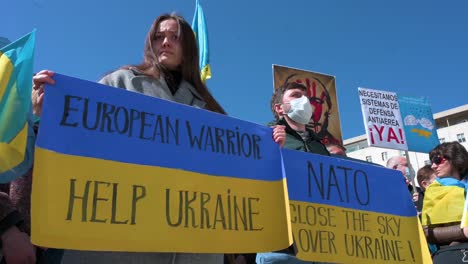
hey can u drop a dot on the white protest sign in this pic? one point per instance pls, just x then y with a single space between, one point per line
382 119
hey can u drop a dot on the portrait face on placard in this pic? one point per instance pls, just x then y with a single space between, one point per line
321 91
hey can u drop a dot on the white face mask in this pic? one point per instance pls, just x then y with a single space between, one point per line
301 110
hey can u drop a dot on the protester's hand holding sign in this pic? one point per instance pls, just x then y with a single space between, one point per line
41 78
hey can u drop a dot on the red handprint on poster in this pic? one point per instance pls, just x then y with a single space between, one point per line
315 101
322 96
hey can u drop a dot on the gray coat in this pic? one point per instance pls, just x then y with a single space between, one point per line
135 81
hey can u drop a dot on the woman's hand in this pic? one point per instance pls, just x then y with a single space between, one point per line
42 77
279 135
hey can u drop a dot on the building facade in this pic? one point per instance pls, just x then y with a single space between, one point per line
452 125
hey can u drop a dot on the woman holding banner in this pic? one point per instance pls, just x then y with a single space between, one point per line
169 71
444 203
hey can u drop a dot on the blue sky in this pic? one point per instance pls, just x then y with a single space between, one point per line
412 48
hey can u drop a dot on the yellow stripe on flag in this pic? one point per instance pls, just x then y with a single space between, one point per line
130 207
442 204
206 73
12 154
6 68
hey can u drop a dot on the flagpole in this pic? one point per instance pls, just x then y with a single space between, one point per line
411 171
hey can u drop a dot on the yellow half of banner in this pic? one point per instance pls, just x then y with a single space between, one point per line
128 207
337 234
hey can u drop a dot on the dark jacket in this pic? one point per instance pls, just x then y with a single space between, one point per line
295 141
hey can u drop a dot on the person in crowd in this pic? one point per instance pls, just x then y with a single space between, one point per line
400 163
336 149
425 176
444 203
292 110
169 71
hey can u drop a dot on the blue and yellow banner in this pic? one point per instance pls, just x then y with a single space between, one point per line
16 68
418 122
120 171
201 34
349 212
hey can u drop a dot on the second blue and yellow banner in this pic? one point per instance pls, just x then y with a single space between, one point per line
351 212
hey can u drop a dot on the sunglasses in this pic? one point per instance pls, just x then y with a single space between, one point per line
438 160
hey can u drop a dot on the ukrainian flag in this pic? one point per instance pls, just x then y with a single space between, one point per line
16 69
201 33
444 202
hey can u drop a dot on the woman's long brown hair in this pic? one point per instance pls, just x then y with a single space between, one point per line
189 68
